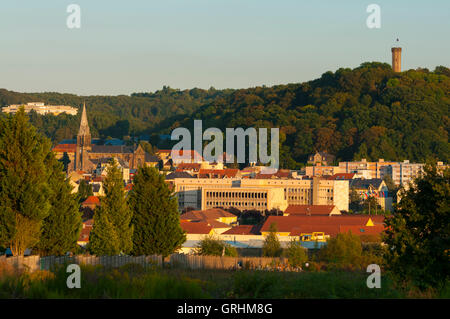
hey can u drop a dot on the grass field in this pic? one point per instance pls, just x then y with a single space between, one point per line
132 281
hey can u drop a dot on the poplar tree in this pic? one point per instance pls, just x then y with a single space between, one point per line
113 218
156 219
24 192
103 239
62 227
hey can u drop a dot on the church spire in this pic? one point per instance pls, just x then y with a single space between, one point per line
84 126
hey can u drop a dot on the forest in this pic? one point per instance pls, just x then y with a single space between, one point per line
367 112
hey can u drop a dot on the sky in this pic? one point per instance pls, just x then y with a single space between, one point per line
131 46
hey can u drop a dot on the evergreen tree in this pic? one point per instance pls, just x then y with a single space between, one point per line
62 227
24 193
103 239
156 219
65 160
114 205
272 246
84 191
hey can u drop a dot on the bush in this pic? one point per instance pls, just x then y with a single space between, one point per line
296 254
342 250
211 246
272 247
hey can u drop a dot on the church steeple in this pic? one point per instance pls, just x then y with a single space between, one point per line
84 126
83 143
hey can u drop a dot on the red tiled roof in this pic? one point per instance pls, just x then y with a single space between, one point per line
242 230
287 223
216 224
207 214
91 200
195 227
309 209
331 230
361 230
69 148
84 235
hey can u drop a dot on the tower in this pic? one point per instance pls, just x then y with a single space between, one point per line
396 58
83 143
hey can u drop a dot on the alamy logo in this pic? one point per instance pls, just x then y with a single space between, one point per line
213 152
74 18
74 279
374 280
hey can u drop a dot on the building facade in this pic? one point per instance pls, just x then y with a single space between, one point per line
259 194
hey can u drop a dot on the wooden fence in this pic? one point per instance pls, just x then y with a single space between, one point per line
33 263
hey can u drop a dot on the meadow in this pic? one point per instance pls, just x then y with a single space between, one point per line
134 281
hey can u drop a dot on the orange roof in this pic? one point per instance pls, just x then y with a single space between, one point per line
309 209
129 187
84 235
216 224
242 230
69 148
331 230
288 223
361 230
195 227
207 214
91 200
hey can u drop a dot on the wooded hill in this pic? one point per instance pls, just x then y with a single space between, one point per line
368 112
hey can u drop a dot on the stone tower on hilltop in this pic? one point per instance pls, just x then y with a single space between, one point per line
83 143
397 58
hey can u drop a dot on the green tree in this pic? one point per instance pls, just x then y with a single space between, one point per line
418 233
62 227
84 191
115 206
296 254
156 219
390 184
65 160
24 192
344 249
355 200
272 246
103 239
210 246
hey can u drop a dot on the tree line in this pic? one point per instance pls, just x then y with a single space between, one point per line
38 209
367 112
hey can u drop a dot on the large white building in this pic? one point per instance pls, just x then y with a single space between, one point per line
259 194
41 108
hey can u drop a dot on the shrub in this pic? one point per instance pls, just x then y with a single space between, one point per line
211 246
344 249
296 254
272 247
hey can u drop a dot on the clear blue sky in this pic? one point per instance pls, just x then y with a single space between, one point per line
141 45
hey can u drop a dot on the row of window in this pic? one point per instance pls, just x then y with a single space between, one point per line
236 204
236 194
